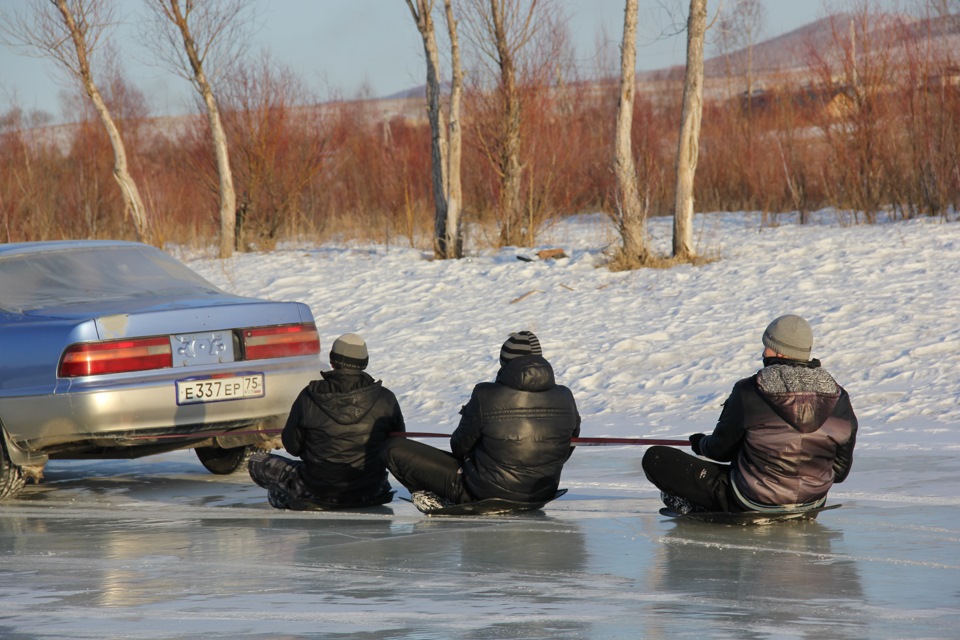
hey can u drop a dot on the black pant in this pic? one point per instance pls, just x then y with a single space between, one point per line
280 473
700 482
420 467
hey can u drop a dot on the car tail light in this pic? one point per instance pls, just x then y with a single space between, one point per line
116 356
281 341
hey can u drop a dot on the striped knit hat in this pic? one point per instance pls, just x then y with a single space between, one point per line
349 351
523 343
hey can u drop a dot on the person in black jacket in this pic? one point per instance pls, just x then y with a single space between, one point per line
512 441
788 431
336 427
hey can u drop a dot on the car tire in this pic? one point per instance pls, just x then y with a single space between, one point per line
11 476
223 462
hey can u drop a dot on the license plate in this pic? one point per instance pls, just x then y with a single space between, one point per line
195 390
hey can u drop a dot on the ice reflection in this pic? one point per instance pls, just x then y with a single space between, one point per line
507 577
779 579
85 570
82 563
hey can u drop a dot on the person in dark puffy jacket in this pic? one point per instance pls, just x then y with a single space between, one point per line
788 433
336 427
512 441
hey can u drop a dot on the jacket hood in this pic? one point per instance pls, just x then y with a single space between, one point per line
802 394
346 395
527 373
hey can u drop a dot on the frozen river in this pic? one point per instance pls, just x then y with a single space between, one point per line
158 548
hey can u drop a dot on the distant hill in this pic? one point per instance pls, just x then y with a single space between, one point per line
790 52
783 53
420 91
786 52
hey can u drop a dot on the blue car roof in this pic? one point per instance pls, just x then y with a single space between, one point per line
41 275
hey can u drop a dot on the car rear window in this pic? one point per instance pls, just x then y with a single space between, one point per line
57 277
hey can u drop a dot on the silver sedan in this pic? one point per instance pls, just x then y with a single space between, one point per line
115 349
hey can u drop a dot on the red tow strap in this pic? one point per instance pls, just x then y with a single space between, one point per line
578 441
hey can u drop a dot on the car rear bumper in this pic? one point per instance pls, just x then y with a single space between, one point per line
138 412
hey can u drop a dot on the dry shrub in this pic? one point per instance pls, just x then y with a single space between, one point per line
924 174
618 262
378 184
278 148
871 126
184 189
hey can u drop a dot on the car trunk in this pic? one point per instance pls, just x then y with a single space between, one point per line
169 316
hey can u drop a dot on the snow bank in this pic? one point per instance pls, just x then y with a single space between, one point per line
652 352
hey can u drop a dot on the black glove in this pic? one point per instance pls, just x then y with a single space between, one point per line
695 443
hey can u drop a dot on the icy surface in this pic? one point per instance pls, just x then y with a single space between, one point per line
159 548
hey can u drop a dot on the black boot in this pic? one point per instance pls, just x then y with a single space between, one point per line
277 498
679 505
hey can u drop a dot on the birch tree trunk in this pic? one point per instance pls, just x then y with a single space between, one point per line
632 214
455 139
510 168
688 148
228 198
422 15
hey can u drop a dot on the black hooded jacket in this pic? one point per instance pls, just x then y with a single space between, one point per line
337 426
790 431
514 434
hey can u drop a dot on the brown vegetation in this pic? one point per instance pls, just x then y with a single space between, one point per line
872 124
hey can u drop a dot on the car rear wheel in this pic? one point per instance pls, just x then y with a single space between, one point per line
11 476
225 461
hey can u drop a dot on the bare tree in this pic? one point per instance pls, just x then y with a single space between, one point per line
632 213
444 239
454 228
740 29
69 34
278 148
856 71
688 149
501 29
196 36
422 15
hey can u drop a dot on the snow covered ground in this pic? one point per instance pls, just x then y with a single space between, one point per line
651 352
158 548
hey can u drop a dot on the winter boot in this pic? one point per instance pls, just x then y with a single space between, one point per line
255 468
277 498
679 505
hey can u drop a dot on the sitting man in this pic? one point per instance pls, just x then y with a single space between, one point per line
788 430
336 426
512 441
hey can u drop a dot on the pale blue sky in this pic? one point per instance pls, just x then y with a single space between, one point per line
343 45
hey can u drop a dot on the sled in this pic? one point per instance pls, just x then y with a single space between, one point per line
308 504
489 506
748 517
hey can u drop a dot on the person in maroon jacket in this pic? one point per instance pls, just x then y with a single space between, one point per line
336 427
787 432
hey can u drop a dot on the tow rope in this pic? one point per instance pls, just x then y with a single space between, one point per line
203 435
578 441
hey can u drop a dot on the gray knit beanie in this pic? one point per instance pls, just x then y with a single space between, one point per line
522 343
790 336
349 351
